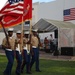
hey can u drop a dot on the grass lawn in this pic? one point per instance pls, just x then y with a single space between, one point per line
48 67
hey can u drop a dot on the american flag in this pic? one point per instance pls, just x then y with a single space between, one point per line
69 14
11 14
11 8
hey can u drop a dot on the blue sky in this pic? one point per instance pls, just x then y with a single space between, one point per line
42 0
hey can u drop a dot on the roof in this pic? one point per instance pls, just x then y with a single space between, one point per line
51 25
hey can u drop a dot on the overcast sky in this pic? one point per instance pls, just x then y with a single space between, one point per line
42 0
2 2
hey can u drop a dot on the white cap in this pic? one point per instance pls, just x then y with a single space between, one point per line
10 29
26 32
35 30
18 32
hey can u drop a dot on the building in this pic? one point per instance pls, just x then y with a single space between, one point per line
52 10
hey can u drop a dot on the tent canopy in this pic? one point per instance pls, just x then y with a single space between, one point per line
66 31
51 25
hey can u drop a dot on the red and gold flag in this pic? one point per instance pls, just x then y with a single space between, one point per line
27 9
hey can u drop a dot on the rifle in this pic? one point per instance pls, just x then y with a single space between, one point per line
5 34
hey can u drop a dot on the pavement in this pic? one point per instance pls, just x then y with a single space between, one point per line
2 52
50 56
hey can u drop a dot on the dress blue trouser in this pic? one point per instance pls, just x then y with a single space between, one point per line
19 62
10 57
35 58
26 60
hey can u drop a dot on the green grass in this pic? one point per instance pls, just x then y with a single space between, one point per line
48 67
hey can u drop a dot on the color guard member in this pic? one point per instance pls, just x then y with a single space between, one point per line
18 52
26 54
9 51
35 48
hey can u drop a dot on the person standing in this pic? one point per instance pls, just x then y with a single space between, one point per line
18 52
26 53
35 50
46 43
51 43
9 51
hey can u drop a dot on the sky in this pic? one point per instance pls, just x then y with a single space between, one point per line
2 2
42 0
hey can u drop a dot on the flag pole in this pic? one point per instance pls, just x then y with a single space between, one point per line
30 34
30 26
22 28
30 29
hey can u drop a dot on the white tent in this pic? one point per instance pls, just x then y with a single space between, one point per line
66 31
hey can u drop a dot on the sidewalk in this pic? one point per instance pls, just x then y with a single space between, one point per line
2 52
49 56
44 55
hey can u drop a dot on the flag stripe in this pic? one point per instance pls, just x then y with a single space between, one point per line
18 7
